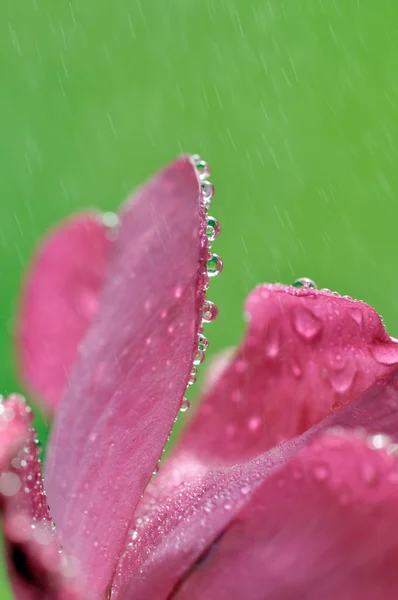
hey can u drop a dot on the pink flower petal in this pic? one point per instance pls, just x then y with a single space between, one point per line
129 381
36 569
306 354
59 300
14 425
322 527
191 502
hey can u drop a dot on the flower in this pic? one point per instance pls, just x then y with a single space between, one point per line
284 483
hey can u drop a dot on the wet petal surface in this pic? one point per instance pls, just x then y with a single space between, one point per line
133 369
324 526
189 504
306 354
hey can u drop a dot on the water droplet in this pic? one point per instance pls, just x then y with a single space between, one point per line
214 265
10 484
201 166
245 490
191 380
379 441
357 315
305 282
203 344
321 471
185 404
199 358
272 341
336 406
110 219
212 229
254 423
385 353
307 325
341 373
296 369
156 469
210 312
207 192
134 535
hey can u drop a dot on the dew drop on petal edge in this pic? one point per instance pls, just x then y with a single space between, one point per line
210 312
214 265
185 404
305 282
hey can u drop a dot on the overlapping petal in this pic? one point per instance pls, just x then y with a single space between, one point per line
197 493
59 300
134 365
37 570
306 354
324 526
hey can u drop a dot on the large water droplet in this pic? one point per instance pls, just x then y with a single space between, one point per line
385 353
214 265
207 192
210 312
185 404
212 229
201 166
305 282
307 325
341 373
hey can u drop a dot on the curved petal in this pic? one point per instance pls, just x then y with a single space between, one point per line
322 527
190 503
306 354
59 299
129 381
36 568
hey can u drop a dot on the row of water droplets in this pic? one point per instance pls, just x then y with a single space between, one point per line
214 267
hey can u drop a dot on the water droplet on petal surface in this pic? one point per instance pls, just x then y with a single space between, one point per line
320 471
201 166
306 324
212 229
384 353
305 282
272 341
214 265
207 192
210 312
185 404
199 358
203 344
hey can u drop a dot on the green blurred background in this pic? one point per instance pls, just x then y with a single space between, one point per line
294 103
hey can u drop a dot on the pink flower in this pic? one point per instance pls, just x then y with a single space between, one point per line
285 482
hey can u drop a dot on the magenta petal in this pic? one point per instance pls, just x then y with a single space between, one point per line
59 300
129 381
306 354
37 570
322 527
191 502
